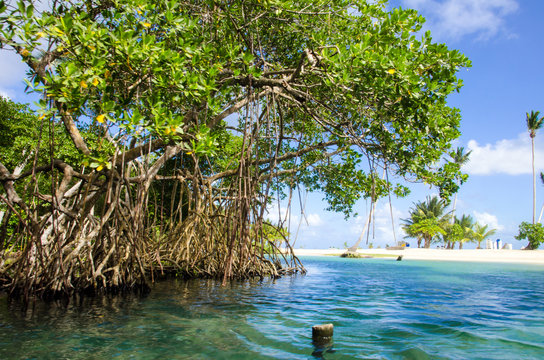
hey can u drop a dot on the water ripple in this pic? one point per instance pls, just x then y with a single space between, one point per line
381 309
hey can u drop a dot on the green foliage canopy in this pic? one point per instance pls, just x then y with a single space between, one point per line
427 220
532 232
333 76
481 233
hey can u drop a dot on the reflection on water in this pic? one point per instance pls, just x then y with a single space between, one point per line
381 309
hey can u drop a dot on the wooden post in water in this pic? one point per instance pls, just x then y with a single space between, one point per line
322 334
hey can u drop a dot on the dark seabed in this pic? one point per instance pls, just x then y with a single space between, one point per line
381 309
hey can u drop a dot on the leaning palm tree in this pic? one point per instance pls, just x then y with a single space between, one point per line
459 157
533 124
481 233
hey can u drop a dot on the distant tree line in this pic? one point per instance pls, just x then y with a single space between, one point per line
431 223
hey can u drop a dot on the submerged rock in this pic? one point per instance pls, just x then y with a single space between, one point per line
351 254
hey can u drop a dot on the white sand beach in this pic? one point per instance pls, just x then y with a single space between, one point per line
480 255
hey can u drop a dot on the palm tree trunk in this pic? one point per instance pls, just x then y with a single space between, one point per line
454 204
428 242
534 177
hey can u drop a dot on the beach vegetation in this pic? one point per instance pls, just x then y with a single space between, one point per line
185 120
482 232
466 224
428 228
453 233
534 233
427 220
430 222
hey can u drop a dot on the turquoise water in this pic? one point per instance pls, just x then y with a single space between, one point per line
381 309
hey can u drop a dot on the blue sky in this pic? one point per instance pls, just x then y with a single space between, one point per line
503 38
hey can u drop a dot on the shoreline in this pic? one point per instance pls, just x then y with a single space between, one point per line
469 255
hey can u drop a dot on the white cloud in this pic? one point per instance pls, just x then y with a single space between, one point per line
7 93
508 156
314 220
488 219
457 18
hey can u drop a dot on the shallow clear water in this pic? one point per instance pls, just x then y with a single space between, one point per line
381 309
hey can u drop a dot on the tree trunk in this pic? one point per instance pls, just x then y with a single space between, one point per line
453 211
534 177
365 228
428 242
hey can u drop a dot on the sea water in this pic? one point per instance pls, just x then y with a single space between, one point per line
380 308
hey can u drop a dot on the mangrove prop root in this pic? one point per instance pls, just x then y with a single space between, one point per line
99 236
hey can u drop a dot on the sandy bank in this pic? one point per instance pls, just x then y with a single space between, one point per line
507 256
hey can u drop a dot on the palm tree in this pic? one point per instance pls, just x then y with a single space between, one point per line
428 229
410 230
533 124
453 233
433 208
481 233
424 217
467 224
459 157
